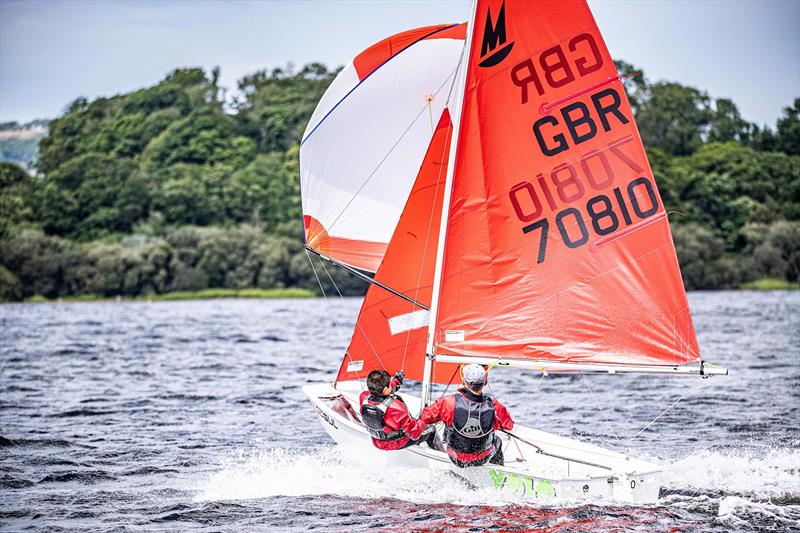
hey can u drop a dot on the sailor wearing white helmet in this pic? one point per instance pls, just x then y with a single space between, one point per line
471 419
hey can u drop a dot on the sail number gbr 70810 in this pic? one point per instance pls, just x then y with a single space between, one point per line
605 213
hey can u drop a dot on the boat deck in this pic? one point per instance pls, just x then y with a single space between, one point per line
533 451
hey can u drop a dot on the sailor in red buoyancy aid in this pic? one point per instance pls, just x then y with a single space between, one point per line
385 414
471 419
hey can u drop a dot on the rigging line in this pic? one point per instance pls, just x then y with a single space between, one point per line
665 411
430 112
519 449
386 156
608 422
451 381
541 450
611 455
357 323
327 303
535 391
364 277
458 66
427 238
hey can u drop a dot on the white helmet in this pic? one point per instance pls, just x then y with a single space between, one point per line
474 375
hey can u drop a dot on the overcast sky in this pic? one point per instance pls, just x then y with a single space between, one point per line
54 51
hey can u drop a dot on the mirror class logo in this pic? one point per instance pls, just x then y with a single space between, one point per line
494 47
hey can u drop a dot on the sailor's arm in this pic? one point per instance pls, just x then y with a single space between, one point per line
399 418
438 411
502 418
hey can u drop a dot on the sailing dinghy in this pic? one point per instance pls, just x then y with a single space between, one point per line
491 176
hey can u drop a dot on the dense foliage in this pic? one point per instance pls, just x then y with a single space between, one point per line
159 260
170 189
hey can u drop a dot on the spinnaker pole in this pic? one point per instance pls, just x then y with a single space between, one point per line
456 107
357 273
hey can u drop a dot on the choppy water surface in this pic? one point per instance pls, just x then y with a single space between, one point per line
189 416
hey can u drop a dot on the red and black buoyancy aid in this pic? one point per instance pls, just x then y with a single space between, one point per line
373 418
473 425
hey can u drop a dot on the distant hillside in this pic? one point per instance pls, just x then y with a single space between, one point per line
19 143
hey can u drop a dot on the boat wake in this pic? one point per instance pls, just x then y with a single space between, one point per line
730 485
263 472
771 474
739 487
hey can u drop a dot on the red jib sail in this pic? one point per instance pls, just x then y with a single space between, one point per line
557 245
391 332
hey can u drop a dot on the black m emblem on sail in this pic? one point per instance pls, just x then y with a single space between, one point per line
494 39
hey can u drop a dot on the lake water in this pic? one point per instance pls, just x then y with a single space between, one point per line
189 416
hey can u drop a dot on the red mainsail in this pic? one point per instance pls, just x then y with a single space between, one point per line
557 244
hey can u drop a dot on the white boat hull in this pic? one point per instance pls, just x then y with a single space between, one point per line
581 472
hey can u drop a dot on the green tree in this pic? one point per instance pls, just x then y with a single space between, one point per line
17 196
136 265
636 85
184 242
788 132
186 195
122 136
727 124
276 106
702 258
42 265
725 185
227 258
92 195
267 191
206 136
778 255
170 188
674 118
10 287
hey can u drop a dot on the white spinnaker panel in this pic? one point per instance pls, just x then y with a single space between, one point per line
362 153
343 83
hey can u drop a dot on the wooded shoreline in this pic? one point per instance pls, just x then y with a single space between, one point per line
761 285
173 189
207 294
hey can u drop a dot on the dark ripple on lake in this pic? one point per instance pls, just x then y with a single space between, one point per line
189 416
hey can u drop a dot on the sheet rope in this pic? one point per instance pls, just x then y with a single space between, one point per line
665 411
336 325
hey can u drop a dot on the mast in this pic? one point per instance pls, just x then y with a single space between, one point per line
459 88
